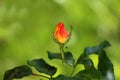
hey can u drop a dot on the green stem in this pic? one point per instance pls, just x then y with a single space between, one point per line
73 70
41 76
50 78
62 52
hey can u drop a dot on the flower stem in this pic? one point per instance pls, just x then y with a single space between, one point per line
62 52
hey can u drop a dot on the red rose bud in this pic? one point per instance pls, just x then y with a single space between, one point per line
60 33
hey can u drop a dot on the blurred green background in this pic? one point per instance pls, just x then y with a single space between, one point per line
27 26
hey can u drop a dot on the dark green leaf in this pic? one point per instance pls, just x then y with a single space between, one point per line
42 66
91 50
89 74
54 55
62 77
105 66
68 57
85 60
96 49
104 44
17 72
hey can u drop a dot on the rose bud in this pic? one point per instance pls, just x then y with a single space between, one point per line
61 36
